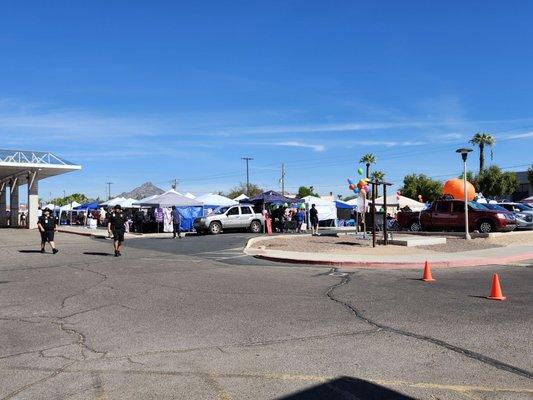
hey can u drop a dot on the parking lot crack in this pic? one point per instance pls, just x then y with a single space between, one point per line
346 279
103 277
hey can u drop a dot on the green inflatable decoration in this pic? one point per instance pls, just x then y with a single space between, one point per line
360 171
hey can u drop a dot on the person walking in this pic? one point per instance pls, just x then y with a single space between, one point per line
116 227
313 216
47 227
23 220
300 218
176 221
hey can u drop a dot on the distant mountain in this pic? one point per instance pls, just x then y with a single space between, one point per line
145 190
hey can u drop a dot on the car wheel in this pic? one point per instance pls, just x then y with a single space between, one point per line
256 227
215 228
485 227
415 226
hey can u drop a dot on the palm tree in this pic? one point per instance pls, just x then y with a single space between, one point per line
482 139
377 176
368 159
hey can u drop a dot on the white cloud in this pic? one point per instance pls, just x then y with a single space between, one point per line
520 135
314 147
390 143
452 136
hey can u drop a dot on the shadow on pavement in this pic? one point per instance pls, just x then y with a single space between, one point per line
96 253
346 387
30 251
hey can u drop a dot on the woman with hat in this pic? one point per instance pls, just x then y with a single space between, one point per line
47 227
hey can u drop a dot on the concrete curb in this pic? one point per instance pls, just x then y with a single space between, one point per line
88 234
129 236
399 265
290 258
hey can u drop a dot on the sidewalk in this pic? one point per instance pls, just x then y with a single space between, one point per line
101 233
497 255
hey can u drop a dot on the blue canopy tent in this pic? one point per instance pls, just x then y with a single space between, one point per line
87 206
91 206
344 213
343 205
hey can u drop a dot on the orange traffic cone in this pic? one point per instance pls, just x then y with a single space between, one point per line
495 289
427 273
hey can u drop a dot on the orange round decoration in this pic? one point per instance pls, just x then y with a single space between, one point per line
455 187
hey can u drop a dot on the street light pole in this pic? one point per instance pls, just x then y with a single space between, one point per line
464 154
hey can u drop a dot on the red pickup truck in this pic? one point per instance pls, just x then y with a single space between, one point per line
449 215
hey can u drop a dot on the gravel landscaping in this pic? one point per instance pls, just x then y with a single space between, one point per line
352 244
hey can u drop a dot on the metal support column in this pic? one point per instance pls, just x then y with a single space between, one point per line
3 204
33 200
14 203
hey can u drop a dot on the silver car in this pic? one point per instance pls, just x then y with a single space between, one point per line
240 216
522 212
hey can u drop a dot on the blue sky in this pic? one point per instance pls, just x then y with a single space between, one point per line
138 91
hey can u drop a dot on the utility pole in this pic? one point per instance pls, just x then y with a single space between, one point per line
174 183
282 179
64 194
109 190
247 159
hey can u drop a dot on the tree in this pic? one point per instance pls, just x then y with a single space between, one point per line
530 175
481 140
304 191
242 189
77 197
377 176
368 159
470 177
414 185
492 182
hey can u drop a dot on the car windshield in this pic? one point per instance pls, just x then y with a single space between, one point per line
220 210
523 207
476 206
495 207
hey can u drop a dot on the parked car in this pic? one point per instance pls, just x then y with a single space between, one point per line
449 215
522 212
240 216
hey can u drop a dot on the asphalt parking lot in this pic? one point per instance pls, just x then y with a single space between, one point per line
196 319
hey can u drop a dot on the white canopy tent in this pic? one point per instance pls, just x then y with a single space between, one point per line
327 210
113 202
168 199
128 203
138 202
241 197
358 203
49 206
190 195
211 199
67 209
399 201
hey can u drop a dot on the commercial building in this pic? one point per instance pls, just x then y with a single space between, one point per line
524 187
18 168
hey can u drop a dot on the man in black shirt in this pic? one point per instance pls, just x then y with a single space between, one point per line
313 216
116 226
47 228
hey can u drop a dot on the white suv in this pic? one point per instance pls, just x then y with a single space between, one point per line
233 217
